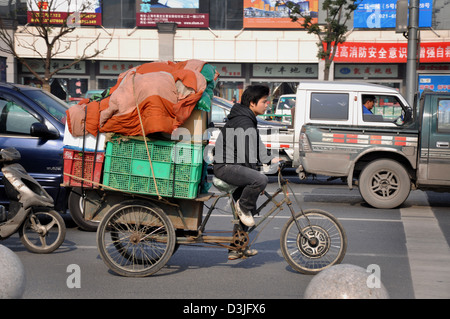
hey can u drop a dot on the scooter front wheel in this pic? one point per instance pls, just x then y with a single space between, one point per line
43 232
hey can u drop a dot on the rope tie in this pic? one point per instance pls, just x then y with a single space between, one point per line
145 138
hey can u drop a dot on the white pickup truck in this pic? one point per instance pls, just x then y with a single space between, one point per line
335 103
387 152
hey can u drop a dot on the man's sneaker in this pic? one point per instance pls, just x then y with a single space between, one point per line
245 217
250 252
234 254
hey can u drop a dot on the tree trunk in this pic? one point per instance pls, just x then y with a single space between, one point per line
326 69
46 86
326 72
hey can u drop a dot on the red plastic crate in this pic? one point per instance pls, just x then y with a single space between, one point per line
73 165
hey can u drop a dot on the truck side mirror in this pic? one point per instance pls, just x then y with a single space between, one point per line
408 115
405 117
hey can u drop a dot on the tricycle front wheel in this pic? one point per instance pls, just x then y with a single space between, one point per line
321 243
135 238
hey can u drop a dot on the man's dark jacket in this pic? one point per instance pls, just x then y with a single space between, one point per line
239 141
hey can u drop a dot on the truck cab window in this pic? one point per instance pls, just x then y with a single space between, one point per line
329 106
385 108
444 116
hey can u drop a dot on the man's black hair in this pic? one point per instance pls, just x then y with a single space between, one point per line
254 93
368 98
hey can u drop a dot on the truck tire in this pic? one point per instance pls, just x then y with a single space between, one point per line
384 183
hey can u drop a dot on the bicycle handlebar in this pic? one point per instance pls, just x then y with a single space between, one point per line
281 165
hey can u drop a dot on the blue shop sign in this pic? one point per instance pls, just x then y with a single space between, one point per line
382 14
436 82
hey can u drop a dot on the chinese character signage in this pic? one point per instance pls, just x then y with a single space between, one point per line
75 12
285 70
266 14
367 52
184 13
382 14
342 71
228 70
39 67
116 67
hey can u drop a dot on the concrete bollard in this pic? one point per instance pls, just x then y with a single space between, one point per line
345 282
12 275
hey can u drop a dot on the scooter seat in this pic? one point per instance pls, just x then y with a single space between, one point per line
223 186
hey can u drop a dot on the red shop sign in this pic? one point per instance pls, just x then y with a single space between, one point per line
365 52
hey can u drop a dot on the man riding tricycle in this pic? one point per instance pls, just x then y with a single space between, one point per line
148 202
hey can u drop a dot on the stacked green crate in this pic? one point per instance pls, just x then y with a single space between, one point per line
177 167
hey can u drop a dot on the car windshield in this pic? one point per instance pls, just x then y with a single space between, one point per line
54 106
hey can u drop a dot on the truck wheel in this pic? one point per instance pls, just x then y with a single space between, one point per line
384 184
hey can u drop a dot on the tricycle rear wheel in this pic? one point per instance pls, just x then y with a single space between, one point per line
135 238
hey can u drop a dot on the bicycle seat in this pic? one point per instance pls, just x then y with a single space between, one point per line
223 186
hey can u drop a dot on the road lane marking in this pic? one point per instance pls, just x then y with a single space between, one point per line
343 218
428 253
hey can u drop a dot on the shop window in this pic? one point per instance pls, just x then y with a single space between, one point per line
230 90
104 84
329 106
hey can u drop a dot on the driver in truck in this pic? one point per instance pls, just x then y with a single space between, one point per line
368 104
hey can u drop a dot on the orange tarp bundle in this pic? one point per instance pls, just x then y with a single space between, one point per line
165 92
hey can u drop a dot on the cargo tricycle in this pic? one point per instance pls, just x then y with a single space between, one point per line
139 232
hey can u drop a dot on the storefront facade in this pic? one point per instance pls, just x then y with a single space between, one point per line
244 47
385 63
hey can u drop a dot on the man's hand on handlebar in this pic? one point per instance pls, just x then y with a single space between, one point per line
278 160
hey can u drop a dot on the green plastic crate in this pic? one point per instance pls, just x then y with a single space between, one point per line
177 167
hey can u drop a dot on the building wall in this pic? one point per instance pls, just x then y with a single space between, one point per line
240 48
254 46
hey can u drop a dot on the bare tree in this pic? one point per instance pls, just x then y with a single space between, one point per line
332 32
49 39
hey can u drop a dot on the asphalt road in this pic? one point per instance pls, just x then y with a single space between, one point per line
410 245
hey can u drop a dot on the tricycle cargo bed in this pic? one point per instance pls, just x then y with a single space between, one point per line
184 213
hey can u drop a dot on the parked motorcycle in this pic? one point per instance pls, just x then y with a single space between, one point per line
41 228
